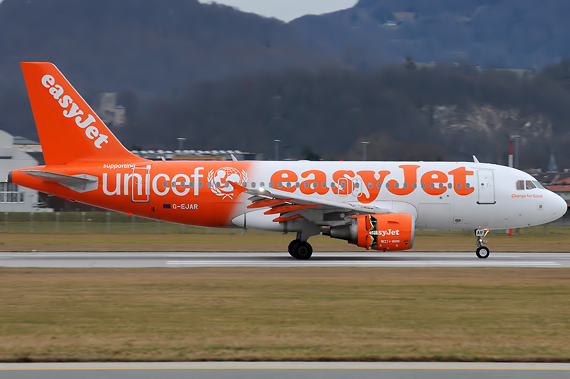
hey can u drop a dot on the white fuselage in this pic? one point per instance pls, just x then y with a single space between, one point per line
487 196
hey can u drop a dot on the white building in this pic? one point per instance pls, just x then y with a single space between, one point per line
15 198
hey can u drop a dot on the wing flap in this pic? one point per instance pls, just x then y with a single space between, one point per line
291 207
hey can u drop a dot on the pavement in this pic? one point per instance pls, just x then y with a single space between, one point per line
284 370
319 259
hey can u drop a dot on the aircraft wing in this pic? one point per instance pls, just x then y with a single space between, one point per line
290 207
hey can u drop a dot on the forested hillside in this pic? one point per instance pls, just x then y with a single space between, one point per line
444 112
109 45
499 33
151 46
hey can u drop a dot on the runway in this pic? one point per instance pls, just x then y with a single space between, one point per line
284 370
319 259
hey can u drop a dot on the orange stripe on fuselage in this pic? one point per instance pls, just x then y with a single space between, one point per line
182 192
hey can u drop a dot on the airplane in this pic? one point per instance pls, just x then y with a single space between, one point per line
373 205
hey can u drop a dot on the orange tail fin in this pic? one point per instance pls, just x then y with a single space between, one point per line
68 128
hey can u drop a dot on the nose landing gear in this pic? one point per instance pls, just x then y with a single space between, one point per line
482 250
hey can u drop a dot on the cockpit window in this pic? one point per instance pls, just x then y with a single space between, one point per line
530 185
537 184
520 185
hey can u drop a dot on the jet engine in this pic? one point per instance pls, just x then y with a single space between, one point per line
390 231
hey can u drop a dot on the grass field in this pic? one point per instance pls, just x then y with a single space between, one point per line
284 314
110 231
196 239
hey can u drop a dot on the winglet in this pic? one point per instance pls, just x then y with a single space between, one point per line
475 159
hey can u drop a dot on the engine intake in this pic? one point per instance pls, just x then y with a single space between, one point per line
390 231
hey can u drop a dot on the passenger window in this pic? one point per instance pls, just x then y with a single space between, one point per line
520 185
252 184
369 185
530 185
379 185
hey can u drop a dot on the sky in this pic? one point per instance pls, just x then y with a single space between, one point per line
287 10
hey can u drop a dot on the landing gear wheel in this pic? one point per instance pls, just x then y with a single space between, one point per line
302 250
290 248
482 252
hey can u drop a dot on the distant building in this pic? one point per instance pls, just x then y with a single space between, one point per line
27 145
111 114
120 116
15 198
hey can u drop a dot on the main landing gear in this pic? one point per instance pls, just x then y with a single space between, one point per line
300 249
482 250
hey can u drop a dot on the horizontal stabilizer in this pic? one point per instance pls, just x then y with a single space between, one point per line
78 183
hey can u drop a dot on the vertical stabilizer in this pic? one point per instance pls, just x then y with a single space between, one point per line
68 128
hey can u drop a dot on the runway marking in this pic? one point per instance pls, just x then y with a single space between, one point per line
362 263
288 368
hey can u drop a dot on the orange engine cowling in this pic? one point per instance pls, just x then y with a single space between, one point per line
390 231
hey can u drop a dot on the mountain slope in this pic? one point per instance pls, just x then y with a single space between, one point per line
149 46
508 33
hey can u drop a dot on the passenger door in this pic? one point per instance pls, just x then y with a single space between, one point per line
486 187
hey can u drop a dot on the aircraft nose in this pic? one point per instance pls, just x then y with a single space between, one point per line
559 206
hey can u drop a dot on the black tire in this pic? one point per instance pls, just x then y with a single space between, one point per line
290 248
302 250
482 252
